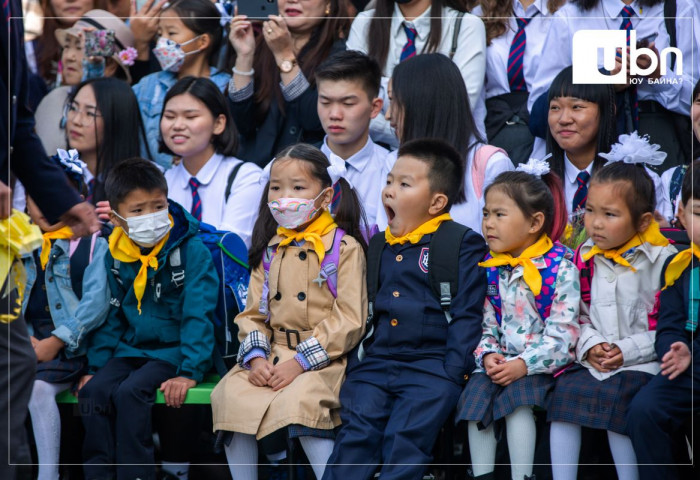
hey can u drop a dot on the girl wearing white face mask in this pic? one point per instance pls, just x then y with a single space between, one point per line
295 384
190 36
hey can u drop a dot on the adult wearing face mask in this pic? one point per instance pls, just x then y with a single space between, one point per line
190 37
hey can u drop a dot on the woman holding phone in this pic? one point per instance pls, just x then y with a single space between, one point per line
272 92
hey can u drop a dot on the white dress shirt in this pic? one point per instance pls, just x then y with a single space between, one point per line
606 16
237 214
365 172
470 57
498 52
469 213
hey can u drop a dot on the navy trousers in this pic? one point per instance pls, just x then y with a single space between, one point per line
392 412
116 409
657 418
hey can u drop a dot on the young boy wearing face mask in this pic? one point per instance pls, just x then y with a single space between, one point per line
159 330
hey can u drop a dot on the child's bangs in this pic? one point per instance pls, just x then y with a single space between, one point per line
563 86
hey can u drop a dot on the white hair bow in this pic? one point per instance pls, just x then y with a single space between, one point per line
634 149
535 167
336 170
71 161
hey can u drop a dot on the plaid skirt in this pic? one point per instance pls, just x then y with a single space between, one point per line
485 402
582 399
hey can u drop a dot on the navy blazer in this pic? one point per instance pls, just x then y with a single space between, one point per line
674 304
44 181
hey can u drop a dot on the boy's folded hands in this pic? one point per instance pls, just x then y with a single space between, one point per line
175 390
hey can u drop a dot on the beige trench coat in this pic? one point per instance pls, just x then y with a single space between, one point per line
338 324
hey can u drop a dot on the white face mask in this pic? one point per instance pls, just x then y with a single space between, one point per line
170 55
147 230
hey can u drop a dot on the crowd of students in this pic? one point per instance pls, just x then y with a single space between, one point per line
523 257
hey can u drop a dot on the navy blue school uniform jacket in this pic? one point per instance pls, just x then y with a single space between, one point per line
676 314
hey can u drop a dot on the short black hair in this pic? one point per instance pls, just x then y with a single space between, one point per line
351 65
445 170
639 193
133 174
690 189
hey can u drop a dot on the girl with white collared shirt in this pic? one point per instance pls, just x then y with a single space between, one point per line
518 27
210 182
581 125
399 29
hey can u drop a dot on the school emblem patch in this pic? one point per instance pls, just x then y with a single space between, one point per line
423 259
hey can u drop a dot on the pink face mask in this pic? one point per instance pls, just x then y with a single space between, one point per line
292 212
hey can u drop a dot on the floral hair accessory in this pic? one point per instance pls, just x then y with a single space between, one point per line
128 56
535 167
635 149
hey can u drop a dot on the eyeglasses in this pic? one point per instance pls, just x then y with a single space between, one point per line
73 111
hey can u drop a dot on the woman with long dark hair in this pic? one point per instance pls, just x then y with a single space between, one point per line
272 92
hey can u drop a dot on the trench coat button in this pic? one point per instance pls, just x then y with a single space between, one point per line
58 306
399 258
396 294
302 255
394 322
301 296
278 296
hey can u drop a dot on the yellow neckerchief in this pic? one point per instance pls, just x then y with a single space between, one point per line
323 224
679 263
125 250
430 226
651 235
62 233
531 274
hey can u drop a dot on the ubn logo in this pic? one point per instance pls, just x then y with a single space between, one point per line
590 45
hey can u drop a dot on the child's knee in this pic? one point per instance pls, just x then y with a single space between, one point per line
42 394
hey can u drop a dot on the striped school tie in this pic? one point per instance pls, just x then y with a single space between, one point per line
409 49
516 77
336 198
579 201
196 209
90 190
627 13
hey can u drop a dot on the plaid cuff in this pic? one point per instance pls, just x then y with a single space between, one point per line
295 88
239 95
254 353
314 354
255 339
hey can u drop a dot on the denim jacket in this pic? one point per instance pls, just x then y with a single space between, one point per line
150 93
74 319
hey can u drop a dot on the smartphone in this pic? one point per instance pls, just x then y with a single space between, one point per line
257 9
99 43
645 41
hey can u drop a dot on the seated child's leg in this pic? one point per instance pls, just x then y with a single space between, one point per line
661 408
95 399
46 423
317 450
565 445
521 433
242 457
623 454
482 449
133 402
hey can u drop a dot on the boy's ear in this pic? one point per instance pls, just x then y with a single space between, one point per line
438 203
536 222
681 215
219 124
377 105
645 221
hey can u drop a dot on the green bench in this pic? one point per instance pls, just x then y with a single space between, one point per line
197 395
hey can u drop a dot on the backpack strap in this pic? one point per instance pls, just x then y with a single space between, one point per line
585 269
479 164
443 269
670 8
177 270
374 257
231 178
329 265
552 259
676 184
80 258
455 35
268 255
492 289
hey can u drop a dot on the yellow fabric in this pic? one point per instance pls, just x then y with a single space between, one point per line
679 263
414 237
18 237
323 224
125 250
62 233
531 274
651 235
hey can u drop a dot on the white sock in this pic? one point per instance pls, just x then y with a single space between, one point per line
179 470
521 433
623 454
46 423
318 451
565 445
482 446
242 456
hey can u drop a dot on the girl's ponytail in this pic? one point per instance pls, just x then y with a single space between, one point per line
350 216
560 214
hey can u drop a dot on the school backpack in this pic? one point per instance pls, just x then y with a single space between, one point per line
543 301
479 164
443 270
675 185
328 273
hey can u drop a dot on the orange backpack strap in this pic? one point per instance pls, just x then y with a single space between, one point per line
479 164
